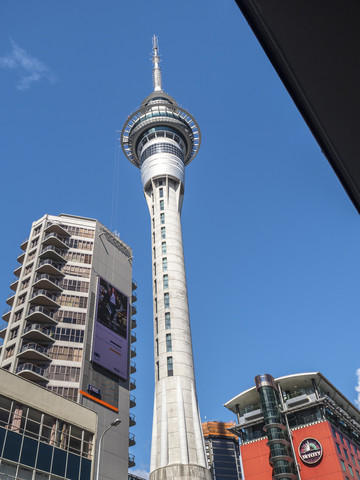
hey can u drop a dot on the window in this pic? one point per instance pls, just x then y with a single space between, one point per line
353 458
14 333
341 438
80 244
348 442
343 465
155 269
162 218
69 335
164 264
66 316
351 470
161 192
160 183
34 243
155 286
37 230
163 232
170 370
72 301
166 281
21 299
168 342
153 222
154 252
346 454
9 352
163 248
167 321
161 204
156 325
157 371
155 304
18 316
28 269
338 448
25 283
153 237
152 208
157 347
167 300
357 474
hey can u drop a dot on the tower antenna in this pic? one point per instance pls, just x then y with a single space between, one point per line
156 65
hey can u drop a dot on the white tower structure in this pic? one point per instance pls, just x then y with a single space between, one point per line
161 139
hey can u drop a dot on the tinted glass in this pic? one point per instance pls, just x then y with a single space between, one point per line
85 469
28 454
59 461
73 467
12 446
44 457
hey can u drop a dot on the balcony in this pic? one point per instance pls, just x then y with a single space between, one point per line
131 460
32 372
132 401
21 257
133 296
44 297
132 420
133 310
57 228
10 299
132 367
50 267
3 332
133 351
47 281
24 244
131 440
6 314
41 315
132 384
134 284
55 240
52 253
133 337
133 323
14 284
33 351
17 270
38 332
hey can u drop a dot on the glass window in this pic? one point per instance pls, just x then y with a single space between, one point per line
153 222
167 300
346 454
163 248
353 458
157 370
161 192
170 370
163 232
168 342
357 474
153 237
154 251
155 304
338 448
155 286
161 204
160 182
167 321
166 281
162 218
156 325
164 264
157 346
351 470
154 268
343 465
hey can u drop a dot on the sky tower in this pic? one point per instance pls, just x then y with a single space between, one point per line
161 138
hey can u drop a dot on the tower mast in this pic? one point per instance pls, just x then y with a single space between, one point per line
161 139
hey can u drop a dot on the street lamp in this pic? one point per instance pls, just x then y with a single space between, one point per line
115 423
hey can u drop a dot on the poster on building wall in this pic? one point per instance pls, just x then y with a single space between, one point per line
111 329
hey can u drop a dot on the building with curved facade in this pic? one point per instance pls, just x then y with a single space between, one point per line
297 427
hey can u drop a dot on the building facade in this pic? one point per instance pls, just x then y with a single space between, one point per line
297 427
43 436
222 450
69 324
161 139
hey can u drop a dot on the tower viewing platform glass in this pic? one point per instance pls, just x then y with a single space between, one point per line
161 138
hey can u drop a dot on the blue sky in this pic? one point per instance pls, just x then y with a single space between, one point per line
270 237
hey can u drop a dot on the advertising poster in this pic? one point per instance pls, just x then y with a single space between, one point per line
111 326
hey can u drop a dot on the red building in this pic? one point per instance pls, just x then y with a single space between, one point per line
297 427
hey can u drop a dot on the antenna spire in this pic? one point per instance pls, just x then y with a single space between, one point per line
156 65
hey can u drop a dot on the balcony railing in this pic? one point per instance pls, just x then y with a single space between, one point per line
31 368
34 346
41 312
132 401
50 263
38 328
24 244
45 293
57 238
133 323
133 337
132 384
131 460
133 351
132 367
132 419
53 250
132 441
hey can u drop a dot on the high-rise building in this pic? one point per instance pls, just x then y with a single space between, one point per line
160 139
298 427
70 324
222 450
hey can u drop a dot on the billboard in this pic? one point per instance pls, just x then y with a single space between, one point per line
111 329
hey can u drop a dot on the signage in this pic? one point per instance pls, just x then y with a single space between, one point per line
95 390
111 329
310 451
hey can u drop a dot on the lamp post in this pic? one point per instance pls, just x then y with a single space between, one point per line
115 423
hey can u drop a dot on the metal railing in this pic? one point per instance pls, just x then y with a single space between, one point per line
50 262
43 310
44 292
33 346
32 368
45 276
39 328
50 248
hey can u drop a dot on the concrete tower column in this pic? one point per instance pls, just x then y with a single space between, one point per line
161 139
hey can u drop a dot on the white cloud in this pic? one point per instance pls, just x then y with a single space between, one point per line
30 68
357 388
141 473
